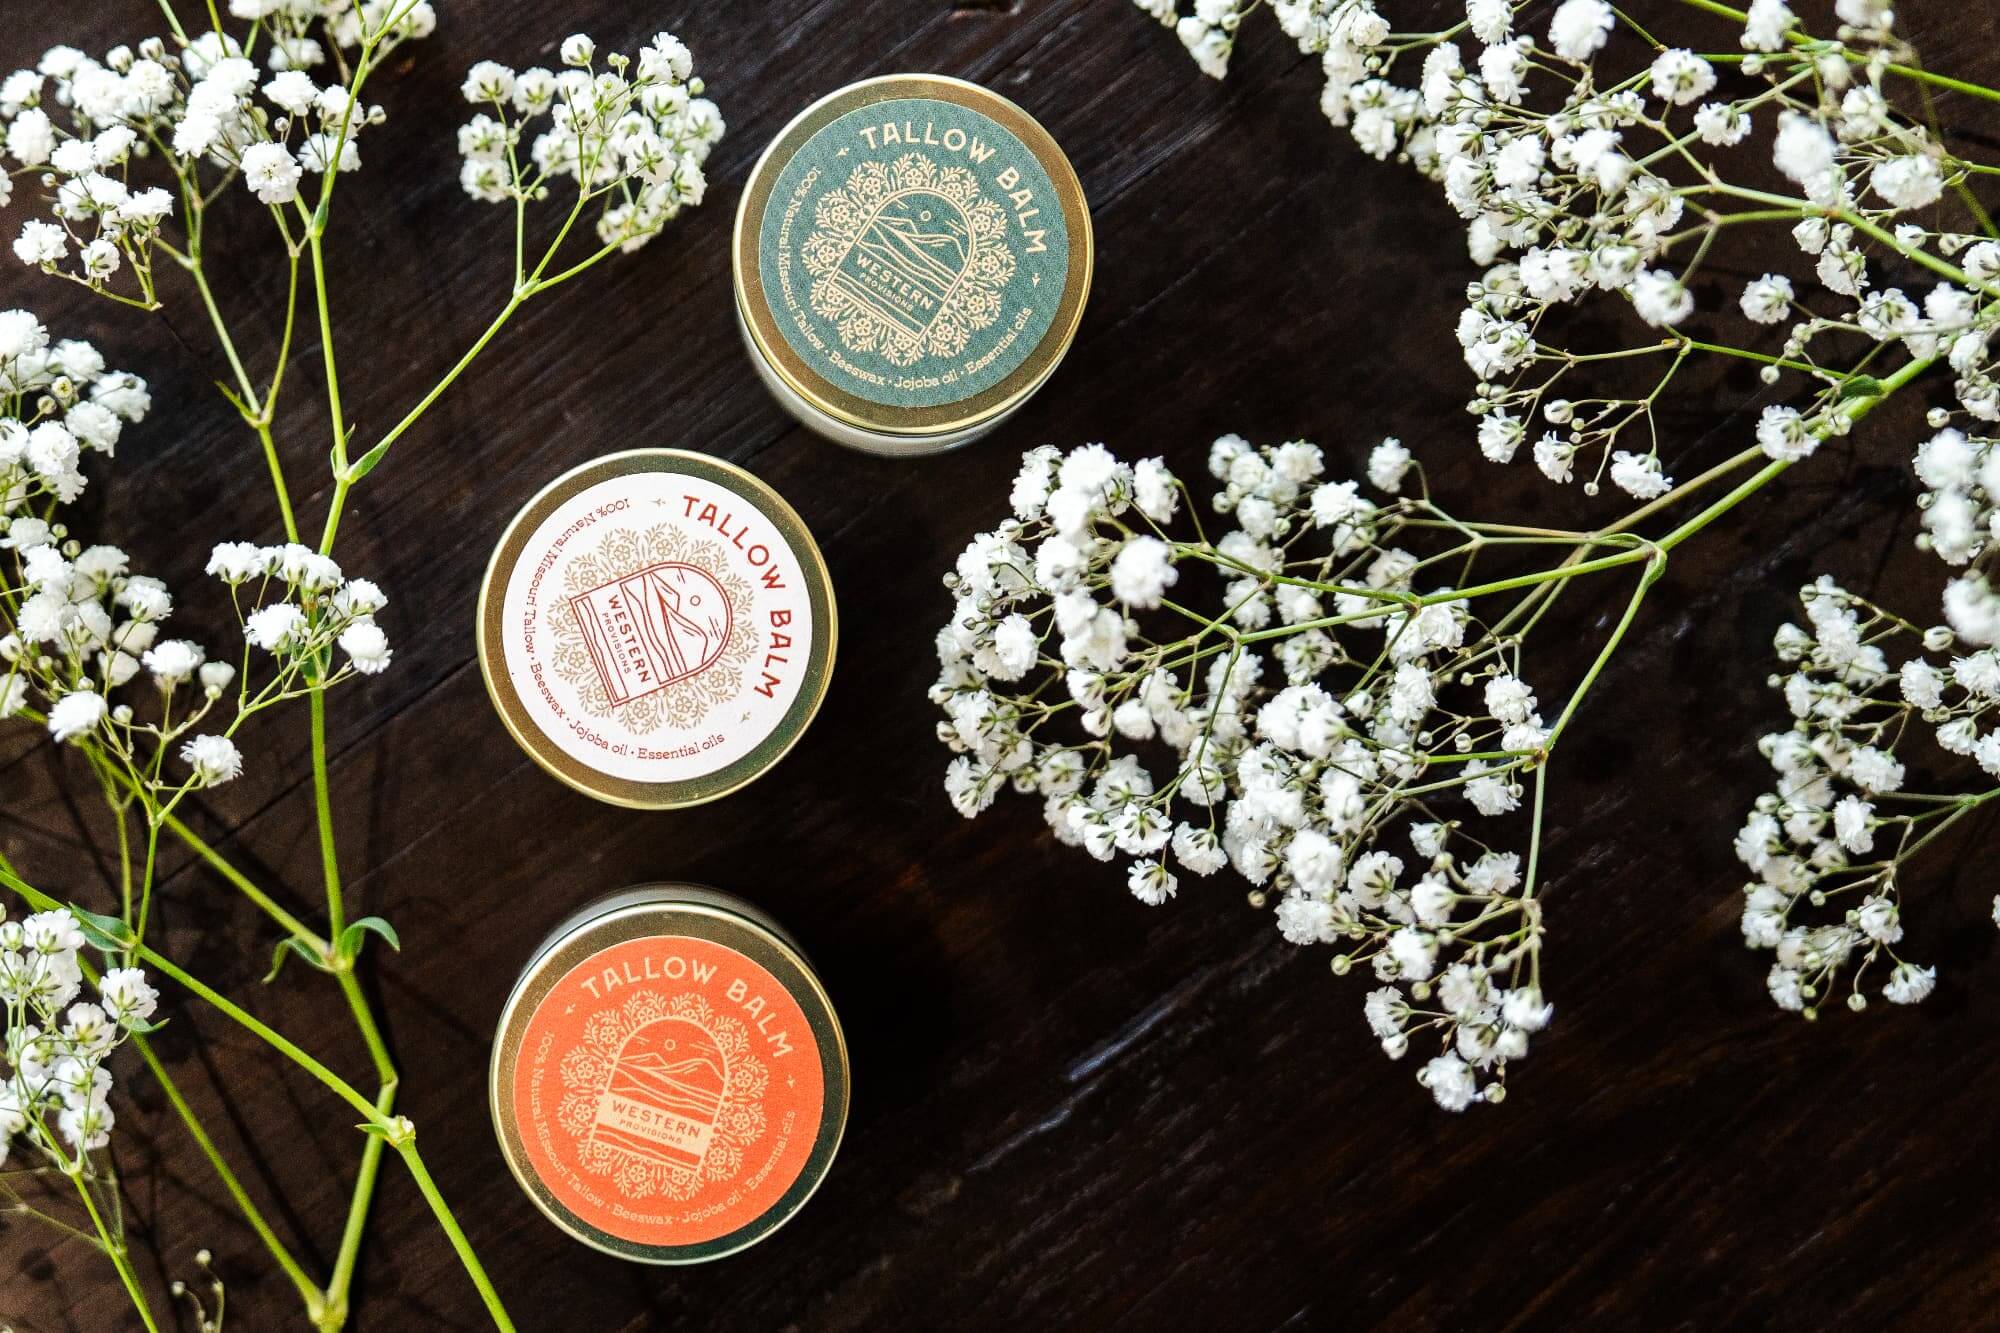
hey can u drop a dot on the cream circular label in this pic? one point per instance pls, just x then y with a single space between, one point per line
914 252
657 627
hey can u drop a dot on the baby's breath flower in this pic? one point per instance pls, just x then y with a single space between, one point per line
76 714
274 628
1290 761
214 759
633 138
366 646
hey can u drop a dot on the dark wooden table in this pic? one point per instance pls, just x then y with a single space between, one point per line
1069 1110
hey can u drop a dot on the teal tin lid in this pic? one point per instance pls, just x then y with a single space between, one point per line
912 256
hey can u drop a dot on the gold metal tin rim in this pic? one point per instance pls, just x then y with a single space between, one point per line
853 410
626 791
642 911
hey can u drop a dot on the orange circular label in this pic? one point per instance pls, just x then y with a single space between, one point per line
668 1091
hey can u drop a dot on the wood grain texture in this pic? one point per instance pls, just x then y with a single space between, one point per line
1069 1110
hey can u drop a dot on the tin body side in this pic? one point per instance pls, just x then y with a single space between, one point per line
669 1082
829 427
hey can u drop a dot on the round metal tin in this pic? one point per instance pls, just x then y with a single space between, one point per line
656 628
912 256
669 1081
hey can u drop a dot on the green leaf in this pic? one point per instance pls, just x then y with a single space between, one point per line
108 933
1861 386
235 399
144 1027
365 464
291 944
356 935
397 1133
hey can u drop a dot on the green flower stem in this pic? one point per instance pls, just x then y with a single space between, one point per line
496 1311
1818 372
309 1292
1905 71
124 858
174 22
284 357
334 1313
1535 832
1567 570
339 1086
255 408
42 902
1918 75
530 286
116 1249
1915 254
146 880
364 1019
21 1208
314 226
336 914
396 1131
1682 491
1655 567
1854 410
222 866
196 269
595 258
343 481
1964 805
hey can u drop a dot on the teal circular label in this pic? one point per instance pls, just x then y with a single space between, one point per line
913 253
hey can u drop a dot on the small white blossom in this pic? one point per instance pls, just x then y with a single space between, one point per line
214 759
76 714
271 173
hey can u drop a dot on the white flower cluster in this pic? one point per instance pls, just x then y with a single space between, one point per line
1840 824
1580 181
1608 191
633 133
57 404
85 124
1209 33
305 608
1961 522
1322 707
1585 200
55 1089
77 624
296 27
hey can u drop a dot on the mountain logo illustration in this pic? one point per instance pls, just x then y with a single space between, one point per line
663 1095
653 628
908 259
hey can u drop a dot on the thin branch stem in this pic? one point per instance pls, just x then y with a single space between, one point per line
309 1292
